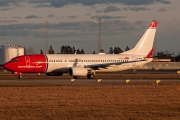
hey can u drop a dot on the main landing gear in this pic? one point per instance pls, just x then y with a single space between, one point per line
90 76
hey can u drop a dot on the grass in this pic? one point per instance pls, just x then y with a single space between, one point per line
131 102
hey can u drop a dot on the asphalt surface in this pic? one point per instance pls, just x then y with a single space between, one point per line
86 82
143 77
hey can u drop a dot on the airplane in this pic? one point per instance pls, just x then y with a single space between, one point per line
78 65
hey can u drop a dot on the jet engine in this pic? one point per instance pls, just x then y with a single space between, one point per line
78 71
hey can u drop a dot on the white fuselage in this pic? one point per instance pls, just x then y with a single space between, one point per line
61 62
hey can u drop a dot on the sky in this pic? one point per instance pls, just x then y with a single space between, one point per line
30 23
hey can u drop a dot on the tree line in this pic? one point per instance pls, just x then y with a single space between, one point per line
72 50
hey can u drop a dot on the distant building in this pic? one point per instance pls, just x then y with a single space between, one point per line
161 60
9 51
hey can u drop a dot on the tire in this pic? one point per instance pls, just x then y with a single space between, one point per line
90 76
19 77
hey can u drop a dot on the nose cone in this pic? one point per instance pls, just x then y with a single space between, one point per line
7 66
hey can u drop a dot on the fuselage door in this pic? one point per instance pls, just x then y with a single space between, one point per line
133 59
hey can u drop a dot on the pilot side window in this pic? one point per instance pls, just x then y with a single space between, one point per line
14 60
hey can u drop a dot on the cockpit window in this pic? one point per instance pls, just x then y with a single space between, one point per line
13 60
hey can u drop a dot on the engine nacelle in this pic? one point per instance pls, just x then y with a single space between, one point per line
54 74
78 71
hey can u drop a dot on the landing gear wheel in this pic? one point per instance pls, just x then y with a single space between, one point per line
90 76
19 77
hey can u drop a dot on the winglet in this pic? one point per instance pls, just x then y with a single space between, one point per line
150 53
153 24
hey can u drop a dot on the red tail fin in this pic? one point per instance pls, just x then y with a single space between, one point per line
150 53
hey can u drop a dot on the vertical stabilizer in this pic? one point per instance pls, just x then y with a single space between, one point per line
145 44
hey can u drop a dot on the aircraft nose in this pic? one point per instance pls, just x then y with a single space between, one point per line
7 66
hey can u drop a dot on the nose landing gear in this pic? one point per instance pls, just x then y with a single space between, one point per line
19 74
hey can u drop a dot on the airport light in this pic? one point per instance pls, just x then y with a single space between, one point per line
127 81
99 80
72 81
157 82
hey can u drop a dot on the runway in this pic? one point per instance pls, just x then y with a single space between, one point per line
140 77
86 82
